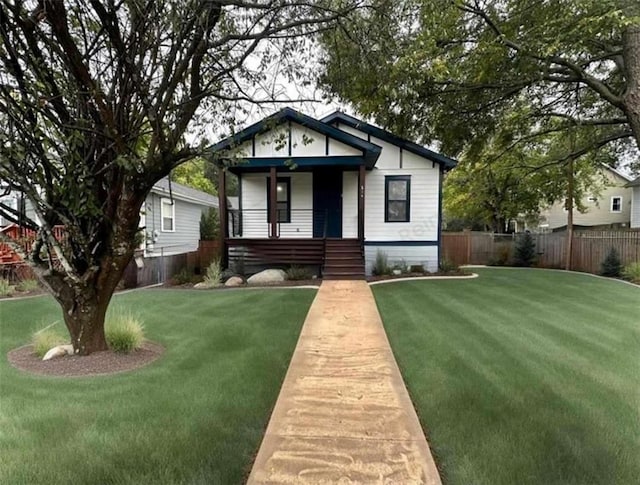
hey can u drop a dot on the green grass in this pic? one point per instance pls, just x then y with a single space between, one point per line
196 416
522 376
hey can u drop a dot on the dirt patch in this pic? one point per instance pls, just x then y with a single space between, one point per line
96 364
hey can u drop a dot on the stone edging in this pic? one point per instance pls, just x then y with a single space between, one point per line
417 278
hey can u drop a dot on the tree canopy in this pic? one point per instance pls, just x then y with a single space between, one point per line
96 99
449 71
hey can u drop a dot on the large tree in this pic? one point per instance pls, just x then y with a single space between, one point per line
450 70
95 100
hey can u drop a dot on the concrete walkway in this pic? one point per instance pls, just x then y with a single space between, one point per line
344 414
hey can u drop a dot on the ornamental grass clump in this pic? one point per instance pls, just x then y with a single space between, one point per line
124 332
631 272
28 285
381 264
299 273
213 277
6 289
46 339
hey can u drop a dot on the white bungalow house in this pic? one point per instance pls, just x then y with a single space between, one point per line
331 193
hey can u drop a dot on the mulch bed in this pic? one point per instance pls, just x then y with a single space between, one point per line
416 275
96 364
278 284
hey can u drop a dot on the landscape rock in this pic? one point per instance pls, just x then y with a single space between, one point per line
201 286
234 281
58 351
267 276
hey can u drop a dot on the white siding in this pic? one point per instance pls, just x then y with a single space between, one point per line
254 206
409 255
352 131
635 208
339 148
274 143
350 204
306 142
424 210
390 156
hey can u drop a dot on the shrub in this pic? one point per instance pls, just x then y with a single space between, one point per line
213 277
416 268
209 225
46 339
297 273
447 266
182 277
381 264
6 289
631 272
124 332
611 266
524 253
28 285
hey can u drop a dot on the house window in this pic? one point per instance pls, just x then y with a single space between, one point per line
397 198
616 204
168 215
283 199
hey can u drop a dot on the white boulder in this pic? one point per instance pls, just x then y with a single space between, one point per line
267 276
201 286
234 281
59 351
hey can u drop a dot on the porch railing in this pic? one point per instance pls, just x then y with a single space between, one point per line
293 223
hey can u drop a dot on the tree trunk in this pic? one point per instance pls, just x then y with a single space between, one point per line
631 55
85 318
569 206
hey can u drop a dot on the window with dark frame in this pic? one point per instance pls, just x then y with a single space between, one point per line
397 198
283 199
616 204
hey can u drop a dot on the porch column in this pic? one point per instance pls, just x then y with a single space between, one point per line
361 183
273 202
222 209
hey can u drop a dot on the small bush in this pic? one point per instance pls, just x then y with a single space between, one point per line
182 277
611 266
401 266
447 266
124 332
44 340
416 268
524 253
298 273
209 225
631 272
381 264
213 277
5 288
28 285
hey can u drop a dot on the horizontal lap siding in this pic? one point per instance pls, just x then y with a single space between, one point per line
254 196
427 256
635 208
187 226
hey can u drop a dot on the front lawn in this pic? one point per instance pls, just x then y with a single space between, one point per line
522 376
197 415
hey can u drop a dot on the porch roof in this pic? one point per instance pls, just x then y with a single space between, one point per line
339 117
223 150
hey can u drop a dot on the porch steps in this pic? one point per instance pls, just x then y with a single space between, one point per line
343 259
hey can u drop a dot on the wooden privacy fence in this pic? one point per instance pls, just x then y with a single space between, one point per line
590 248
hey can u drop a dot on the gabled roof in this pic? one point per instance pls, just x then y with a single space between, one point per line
182 192
339 117
370 152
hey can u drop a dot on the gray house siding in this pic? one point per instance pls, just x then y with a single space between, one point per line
186 232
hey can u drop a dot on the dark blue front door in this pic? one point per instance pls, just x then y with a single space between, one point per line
327 203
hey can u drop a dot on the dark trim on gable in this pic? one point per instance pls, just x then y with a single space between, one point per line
292 163
339 117
370 151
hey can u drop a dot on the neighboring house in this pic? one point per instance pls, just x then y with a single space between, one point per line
331 193
634 186
610 208
14 200
171 218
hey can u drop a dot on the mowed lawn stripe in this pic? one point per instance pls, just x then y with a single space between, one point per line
197 415
522 376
